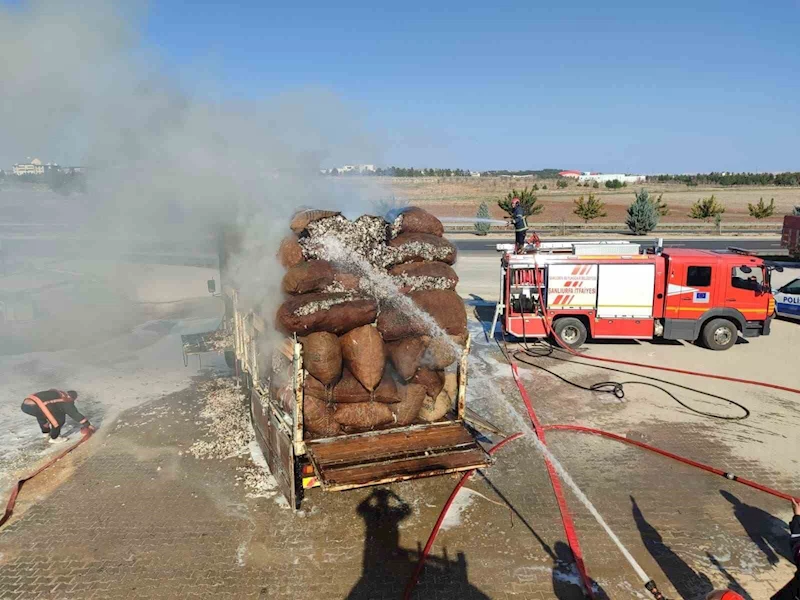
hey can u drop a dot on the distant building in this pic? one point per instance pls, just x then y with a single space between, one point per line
572 174
35 167
603 177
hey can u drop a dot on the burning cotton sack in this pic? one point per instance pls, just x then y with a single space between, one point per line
417 220
424 276
322 356
311 276
290 252
406 355
336 313
445 306
318 417
363 416
364 354
417 247
407 410
304 218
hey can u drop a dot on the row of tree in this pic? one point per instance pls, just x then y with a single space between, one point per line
643 214
788 178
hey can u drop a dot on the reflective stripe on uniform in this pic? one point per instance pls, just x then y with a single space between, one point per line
43 407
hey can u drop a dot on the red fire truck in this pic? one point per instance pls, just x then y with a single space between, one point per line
605 290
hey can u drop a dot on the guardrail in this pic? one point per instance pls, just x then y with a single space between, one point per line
564 228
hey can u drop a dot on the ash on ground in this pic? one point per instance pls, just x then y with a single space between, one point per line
229 434
226 419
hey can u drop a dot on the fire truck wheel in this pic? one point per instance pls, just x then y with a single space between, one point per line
571 331
719 334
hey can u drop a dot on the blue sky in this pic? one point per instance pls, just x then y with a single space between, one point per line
615 86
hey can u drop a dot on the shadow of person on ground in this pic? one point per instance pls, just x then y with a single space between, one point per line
688 583
567 584
386 567
769 533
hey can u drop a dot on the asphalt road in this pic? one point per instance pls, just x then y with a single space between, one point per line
766 244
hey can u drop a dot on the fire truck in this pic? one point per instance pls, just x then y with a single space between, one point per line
620 290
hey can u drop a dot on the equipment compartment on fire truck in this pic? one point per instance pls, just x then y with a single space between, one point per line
609 290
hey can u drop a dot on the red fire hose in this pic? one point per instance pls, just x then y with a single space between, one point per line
12 500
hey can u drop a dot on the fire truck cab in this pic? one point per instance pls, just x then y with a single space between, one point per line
607 290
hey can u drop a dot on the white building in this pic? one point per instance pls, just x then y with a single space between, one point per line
603 177
35 167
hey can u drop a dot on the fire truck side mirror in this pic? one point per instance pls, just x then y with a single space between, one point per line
745 269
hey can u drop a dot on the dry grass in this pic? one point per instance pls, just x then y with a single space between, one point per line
461 197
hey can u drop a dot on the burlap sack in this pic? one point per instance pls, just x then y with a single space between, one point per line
363 415
407 410
451 385
417 247
309 276
406 355
322 356
445 306
442 352
386 391
290 252
364 355
417 220
301 219
434 409
336 313
318 417
347 281
435 269
432 381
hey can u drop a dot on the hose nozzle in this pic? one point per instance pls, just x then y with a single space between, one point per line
653 589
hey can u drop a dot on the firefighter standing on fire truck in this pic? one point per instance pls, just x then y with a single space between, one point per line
520 225
51 408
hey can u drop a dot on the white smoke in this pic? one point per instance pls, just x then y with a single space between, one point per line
78 86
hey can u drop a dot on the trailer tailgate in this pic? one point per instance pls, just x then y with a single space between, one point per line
377 457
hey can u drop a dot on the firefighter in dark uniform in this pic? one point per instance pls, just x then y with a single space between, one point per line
520 225
51 408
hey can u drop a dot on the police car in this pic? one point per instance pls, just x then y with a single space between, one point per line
787 300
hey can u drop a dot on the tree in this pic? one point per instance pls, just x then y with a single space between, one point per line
482 227
614 184
561 183
642 214
659 206
706 208
527 200
589 209
761 210
535 187
544 187
796 211
596 185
